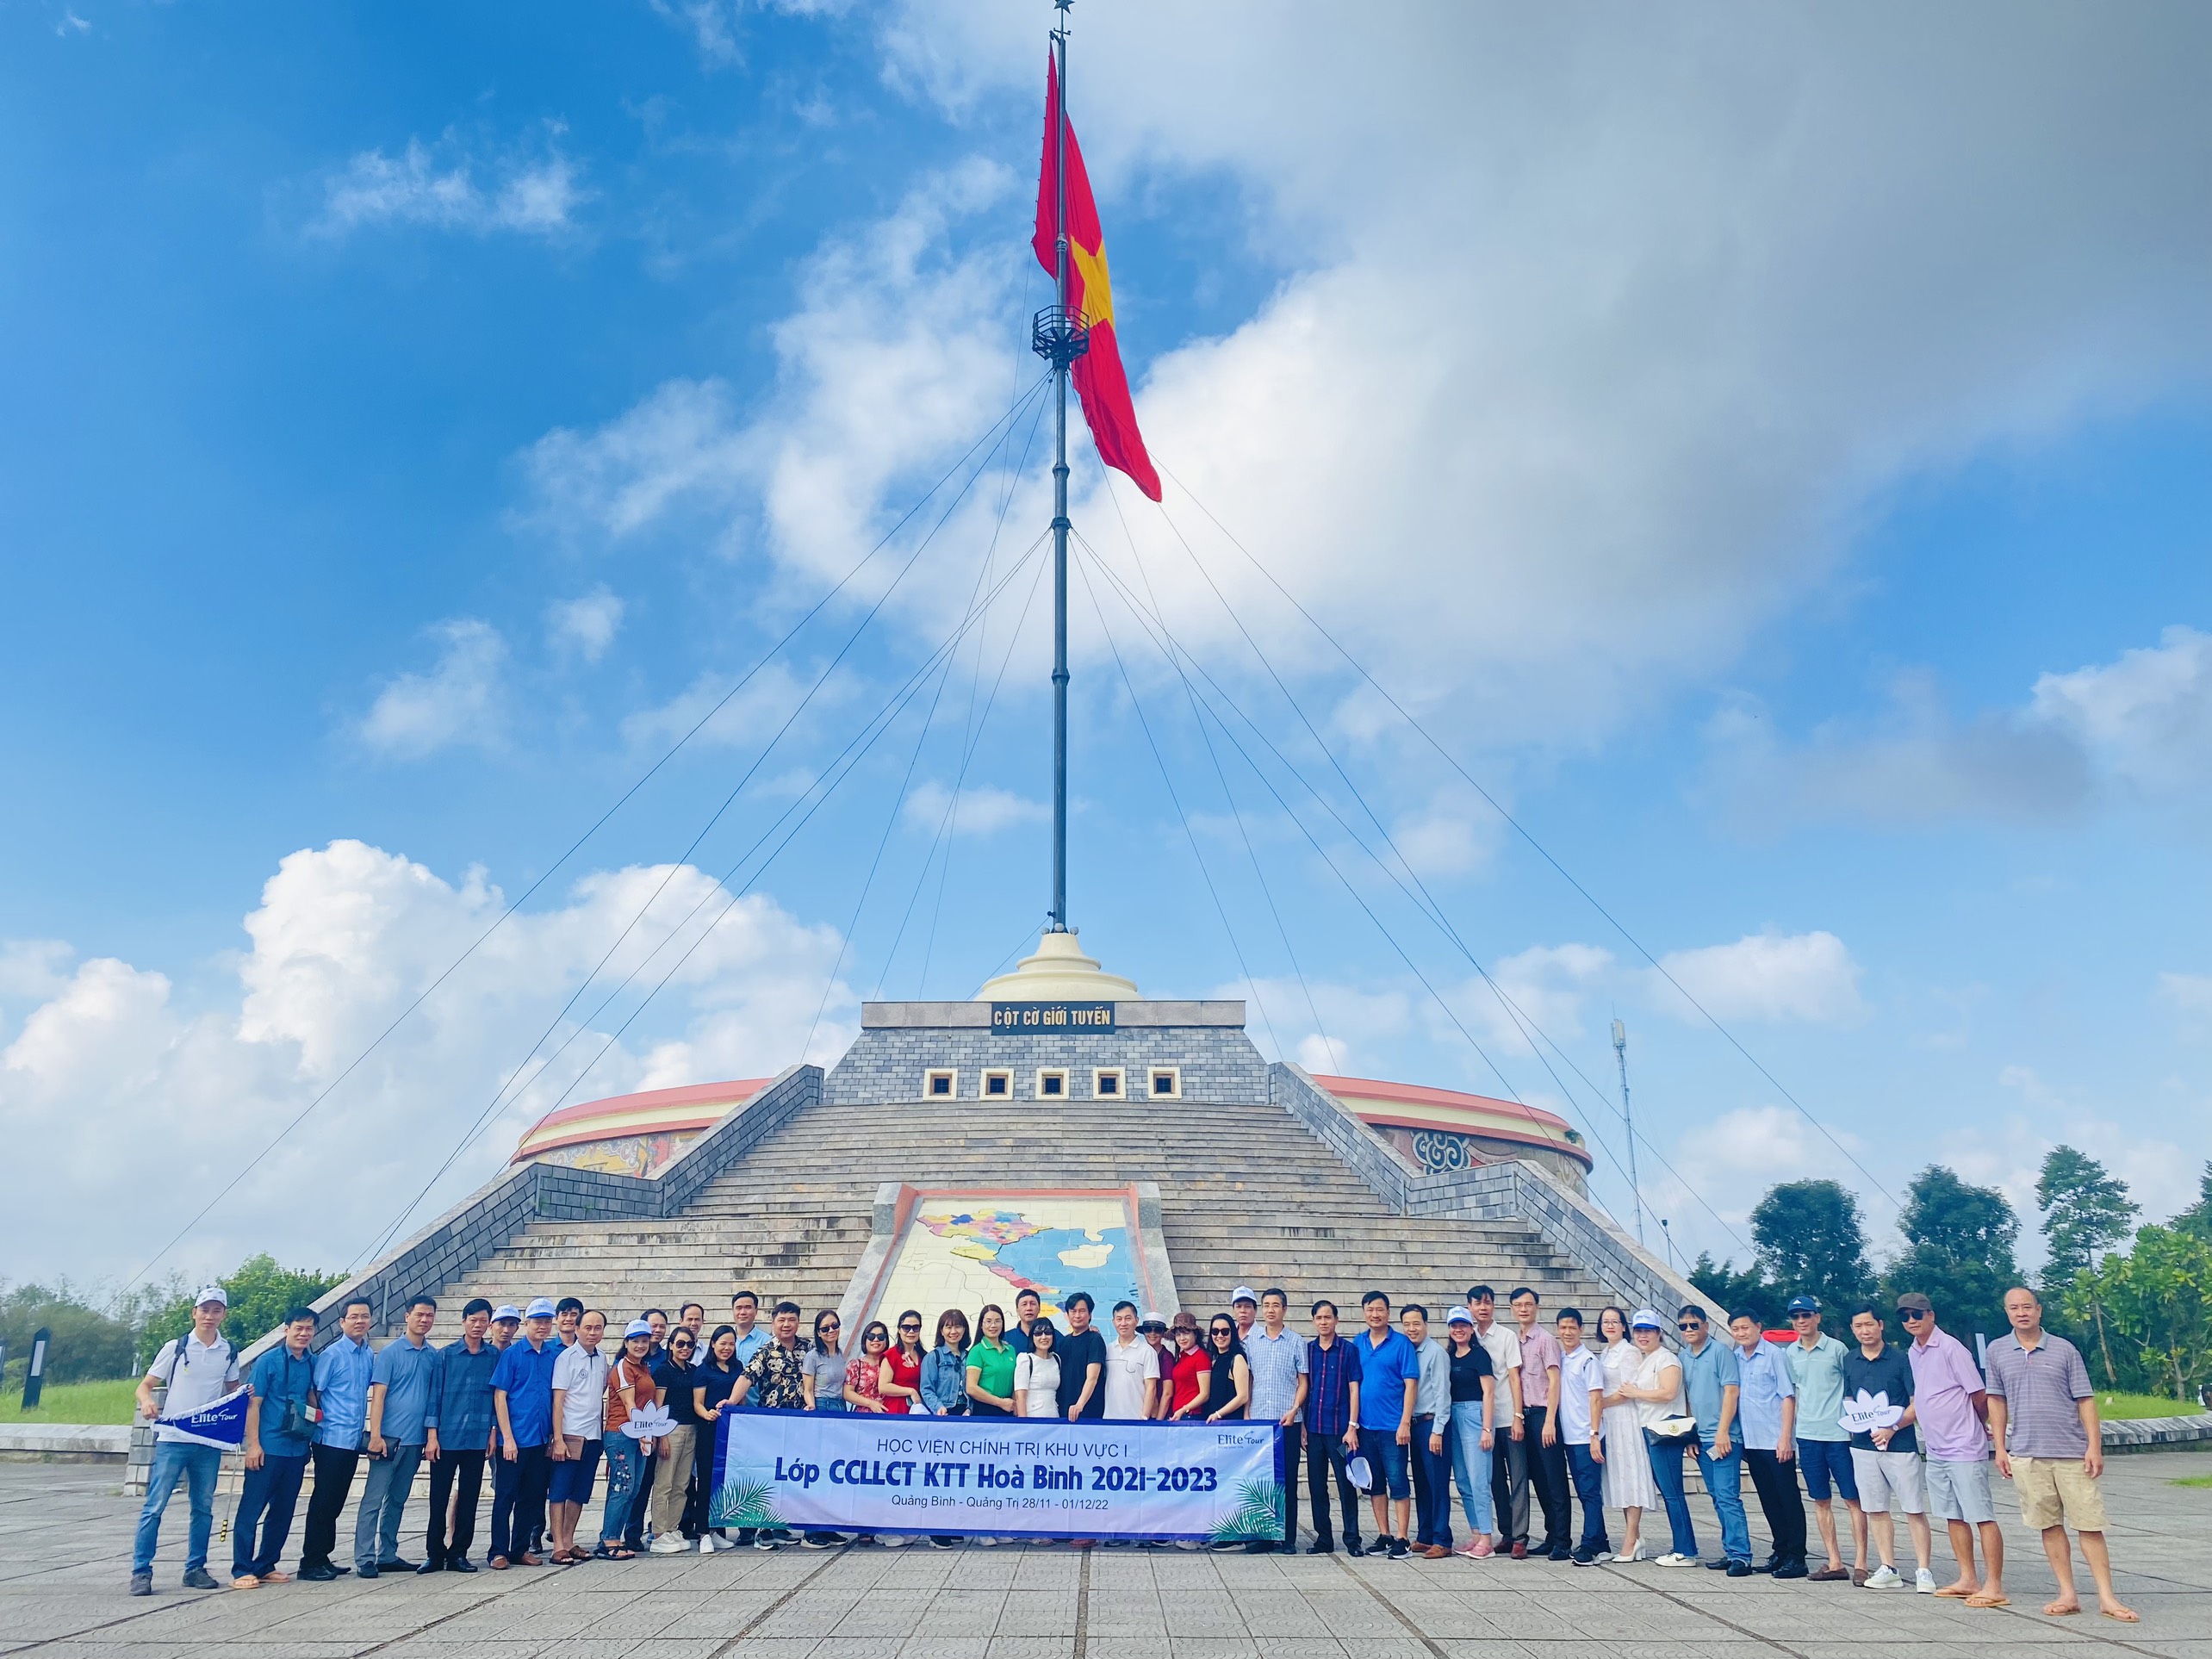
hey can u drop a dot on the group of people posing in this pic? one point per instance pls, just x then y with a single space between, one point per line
1407 1408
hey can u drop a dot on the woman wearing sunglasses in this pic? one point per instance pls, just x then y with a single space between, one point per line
676 1375
1230 1381
900 1384
826 1365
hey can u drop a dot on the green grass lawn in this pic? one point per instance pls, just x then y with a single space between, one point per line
2192 1480
2145 1405
108 1401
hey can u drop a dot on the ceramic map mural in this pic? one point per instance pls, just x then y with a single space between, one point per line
965 1251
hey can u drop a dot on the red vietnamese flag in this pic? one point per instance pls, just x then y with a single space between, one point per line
1100 379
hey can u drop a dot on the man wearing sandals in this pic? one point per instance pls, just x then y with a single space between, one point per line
2043 1415
1953 1403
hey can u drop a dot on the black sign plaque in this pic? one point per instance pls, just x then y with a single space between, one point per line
1038 1019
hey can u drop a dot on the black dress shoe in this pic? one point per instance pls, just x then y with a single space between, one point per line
460 1564
428 1567
395 1565
1355 1548
1260 1548
369 1571
1741 1570
1322 1547
1790 1569
1560 1552
321 1573
1719 1564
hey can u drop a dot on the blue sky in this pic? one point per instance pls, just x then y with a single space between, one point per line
1772 453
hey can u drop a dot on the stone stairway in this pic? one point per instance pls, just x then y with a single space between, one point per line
1247 1196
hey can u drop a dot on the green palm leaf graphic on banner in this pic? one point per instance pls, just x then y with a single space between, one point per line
744 1502
1258 1515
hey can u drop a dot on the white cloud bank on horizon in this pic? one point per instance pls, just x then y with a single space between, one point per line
136 1109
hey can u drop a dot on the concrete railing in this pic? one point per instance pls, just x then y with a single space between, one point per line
1566 1221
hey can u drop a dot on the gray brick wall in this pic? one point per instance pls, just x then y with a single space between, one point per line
888 1063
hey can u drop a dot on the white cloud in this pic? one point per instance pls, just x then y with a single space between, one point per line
437 186
32 967
587 626
984 809
460 701
1545 984
2146 717
139 1107
2142 722
1590 348
2190 996
1772 977
680 443
1452 835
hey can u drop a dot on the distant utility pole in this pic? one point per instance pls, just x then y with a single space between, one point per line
1667 1234
1636 1191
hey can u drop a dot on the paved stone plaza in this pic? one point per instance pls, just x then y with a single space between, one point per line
64 1552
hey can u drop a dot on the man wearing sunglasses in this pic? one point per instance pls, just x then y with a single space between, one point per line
1953 1412
1713 1381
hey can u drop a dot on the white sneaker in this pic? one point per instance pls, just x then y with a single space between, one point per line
668 1544
706 1544
1883 1578
1675 1558
1923 1581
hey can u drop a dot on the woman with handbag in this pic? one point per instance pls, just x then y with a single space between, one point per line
1655 1388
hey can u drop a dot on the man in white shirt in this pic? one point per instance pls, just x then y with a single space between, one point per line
198 1369
1581 1415
579 1430
1132 1369
1509 1463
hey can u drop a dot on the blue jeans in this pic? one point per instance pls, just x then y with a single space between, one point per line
1724 1479
384 1496
1667 1469
1471 1466
196 1466
1589 1478
264 1515
1387 1470
624 1467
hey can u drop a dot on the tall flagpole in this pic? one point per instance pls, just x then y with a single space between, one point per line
1069 343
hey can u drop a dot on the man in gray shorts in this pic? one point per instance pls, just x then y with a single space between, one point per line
1951 1402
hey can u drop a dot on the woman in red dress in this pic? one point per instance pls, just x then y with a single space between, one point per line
901 1384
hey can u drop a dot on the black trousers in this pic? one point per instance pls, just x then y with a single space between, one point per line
1547 1473
1294 1442
333 1484
1325 1453
1776 1482
461 1473
1509 1482
518 1495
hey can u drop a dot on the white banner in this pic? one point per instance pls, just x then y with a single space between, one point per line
1004 1477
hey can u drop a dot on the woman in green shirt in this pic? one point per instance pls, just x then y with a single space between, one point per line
991 1366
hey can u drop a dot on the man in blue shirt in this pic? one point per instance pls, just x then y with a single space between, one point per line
1332 1427
459 1435
1389 1378
276 1455
1712 1381
522 1402
401 1385
341 1395
1768 1412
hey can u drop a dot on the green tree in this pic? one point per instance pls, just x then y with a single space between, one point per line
2086 1210
87 1341
2197 1218
1747 1292
1959 1240
2156 1302
260 1291
1811 1242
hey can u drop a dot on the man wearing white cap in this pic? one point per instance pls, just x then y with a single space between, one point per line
1244 1308
522 1406
198 1369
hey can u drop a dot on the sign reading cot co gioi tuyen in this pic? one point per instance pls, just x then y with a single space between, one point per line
1026 1018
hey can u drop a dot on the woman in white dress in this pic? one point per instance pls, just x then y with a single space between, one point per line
1628 1486
1655 1386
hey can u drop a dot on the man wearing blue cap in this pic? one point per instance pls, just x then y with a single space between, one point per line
1816 1365
522 1405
